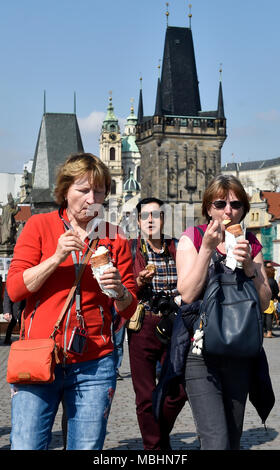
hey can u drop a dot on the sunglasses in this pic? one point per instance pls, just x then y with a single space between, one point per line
222 204
154 214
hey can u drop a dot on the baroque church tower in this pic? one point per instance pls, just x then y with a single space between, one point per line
110 146
180 144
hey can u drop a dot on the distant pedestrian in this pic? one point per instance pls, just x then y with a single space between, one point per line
12 313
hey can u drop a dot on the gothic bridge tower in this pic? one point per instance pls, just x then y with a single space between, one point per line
180 144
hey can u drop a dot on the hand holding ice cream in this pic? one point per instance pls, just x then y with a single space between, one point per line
107 276
233 235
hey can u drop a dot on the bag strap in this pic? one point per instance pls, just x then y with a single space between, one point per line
72 291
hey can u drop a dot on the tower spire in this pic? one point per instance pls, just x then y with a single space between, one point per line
140 104
167 13
158 108
75 108
44 101
190 16
220 111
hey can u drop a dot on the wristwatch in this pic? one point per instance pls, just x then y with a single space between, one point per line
124 295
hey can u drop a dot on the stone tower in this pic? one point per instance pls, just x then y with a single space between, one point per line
110 146
59 136
131 158
180 144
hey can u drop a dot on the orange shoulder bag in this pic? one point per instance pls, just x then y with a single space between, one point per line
34 360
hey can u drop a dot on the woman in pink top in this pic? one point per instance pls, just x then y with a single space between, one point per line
217 387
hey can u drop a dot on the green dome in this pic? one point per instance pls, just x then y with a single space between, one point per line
131 184
129 144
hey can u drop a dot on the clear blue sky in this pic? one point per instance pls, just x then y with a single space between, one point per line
92 47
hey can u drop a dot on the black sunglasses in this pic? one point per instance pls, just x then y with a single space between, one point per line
154 214
222 204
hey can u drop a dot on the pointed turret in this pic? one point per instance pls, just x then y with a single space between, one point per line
158 108
140 105
220 112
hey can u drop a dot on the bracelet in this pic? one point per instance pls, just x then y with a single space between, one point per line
124 296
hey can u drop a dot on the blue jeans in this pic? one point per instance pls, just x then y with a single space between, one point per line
87 389
118 347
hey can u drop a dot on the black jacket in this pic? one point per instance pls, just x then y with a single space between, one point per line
13 308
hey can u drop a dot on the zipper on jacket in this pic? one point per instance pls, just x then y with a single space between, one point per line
103 321
65 331
32 316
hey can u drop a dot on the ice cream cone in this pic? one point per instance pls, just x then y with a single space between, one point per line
100 257
236 230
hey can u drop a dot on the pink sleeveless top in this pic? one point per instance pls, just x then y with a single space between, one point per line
194 234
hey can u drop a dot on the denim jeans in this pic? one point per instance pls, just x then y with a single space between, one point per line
217 389
87 389
118 347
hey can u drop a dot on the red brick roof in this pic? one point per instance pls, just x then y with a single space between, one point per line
273 203
23 214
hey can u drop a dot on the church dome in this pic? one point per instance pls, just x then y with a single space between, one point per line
131 185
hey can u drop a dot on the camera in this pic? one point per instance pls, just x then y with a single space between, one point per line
164 303
77 341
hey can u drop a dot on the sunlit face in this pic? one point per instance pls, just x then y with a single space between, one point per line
151 220
232 211
82 196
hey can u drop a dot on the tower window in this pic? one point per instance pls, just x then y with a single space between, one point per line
112 153
113 187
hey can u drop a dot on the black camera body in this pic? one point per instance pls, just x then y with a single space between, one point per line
165 304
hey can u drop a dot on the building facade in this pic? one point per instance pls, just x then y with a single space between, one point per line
256 175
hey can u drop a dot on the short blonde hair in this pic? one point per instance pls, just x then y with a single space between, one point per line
77 165
219 188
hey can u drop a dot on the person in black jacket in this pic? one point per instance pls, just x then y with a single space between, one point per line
12 313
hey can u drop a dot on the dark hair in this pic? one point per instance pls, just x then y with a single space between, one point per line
219 187
147 200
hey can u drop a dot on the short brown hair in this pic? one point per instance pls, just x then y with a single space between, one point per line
76 166
219 187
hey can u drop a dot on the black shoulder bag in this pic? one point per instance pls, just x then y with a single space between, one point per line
230 314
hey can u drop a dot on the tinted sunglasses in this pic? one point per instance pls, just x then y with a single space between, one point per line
154 214
222 204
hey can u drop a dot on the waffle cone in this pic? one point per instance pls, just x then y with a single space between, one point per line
236 230
99 260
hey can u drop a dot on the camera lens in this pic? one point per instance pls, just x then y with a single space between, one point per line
164 328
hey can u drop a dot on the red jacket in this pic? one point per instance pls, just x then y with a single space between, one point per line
37 242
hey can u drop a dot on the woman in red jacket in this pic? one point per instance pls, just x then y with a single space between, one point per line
46 259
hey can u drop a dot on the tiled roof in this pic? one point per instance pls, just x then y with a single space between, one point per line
273 203
23 214
255 165
179 83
